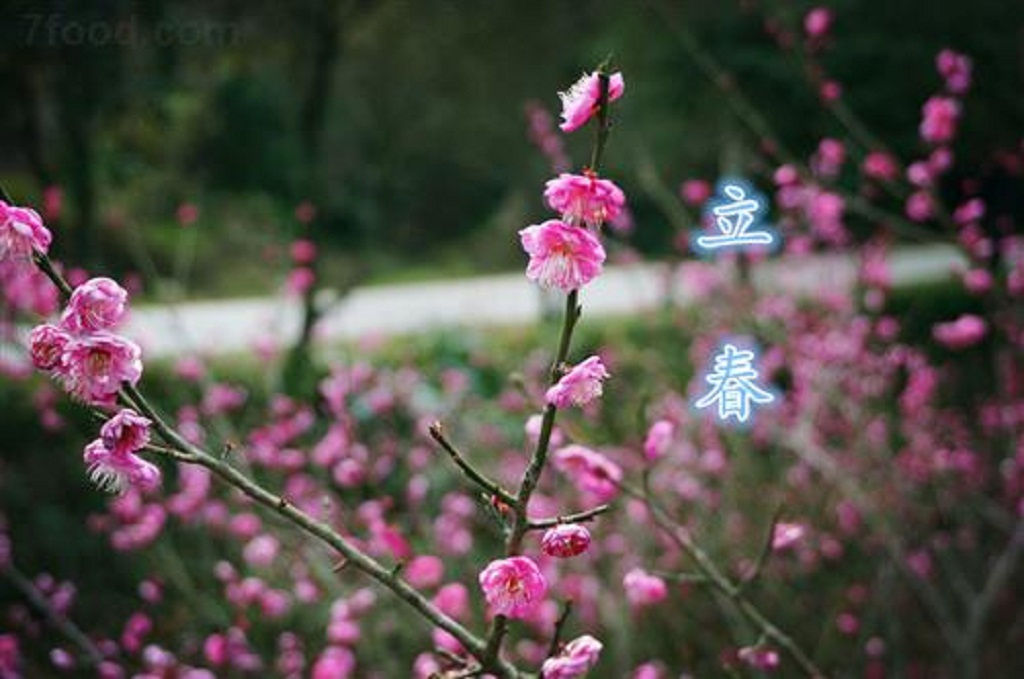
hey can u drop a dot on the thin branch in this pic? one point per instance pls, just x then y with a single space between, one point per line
578 517
351 554
59 622
492 487
766 551
556 638
723 584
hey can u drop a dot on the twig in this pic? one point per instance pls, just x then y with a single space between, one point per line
192 454
59 622
723 584
578 517
556 638
766 551
492 487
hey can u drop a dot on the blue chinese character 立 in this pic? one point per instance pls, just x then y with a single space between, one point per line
733 380
734 219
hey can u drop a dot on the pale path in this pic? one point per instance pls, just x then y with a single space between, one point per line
238 325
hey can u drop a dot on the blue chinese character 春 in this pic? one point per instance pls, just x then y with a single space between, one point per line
734 390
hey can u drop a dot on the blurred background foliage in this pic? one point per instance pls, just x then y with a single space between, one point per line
402 122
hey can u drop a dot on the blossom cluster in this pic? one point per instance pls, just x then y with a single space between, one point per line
82 352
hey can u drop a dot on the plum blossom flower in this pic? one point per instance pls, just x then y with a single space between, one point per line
955 68
644 589
21 232
579 386
881 166
817 22
97 304
125 432
566 540
584 199
695 192
46 346
513 587
759 657
562 256
659 437
964 332
578 656
939 119
590 471
116 471
787 535
96 365
580 101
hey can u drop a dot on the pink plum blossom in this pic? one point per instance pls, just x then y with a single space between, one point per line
561 255
759 657
580 101
695 192
644 589
817 22
97 304
786 535
125 432
579 386
565 540
659 438
964 332
575 660
939 119
21 232
46 346
584 199
513 587
956 69
115 472
880 166
589 471
96 365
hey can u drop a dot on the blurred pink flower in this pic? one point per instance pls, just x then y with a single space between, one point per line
424 571
574 660
759 657
829 158
817 22
939 119
880 166
644 589
695 192
580 101
562 256
964 332
566 540
659 438
579 386
589 471
187 214
787 534
584 199
303 251
919 206
956 69
513 587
